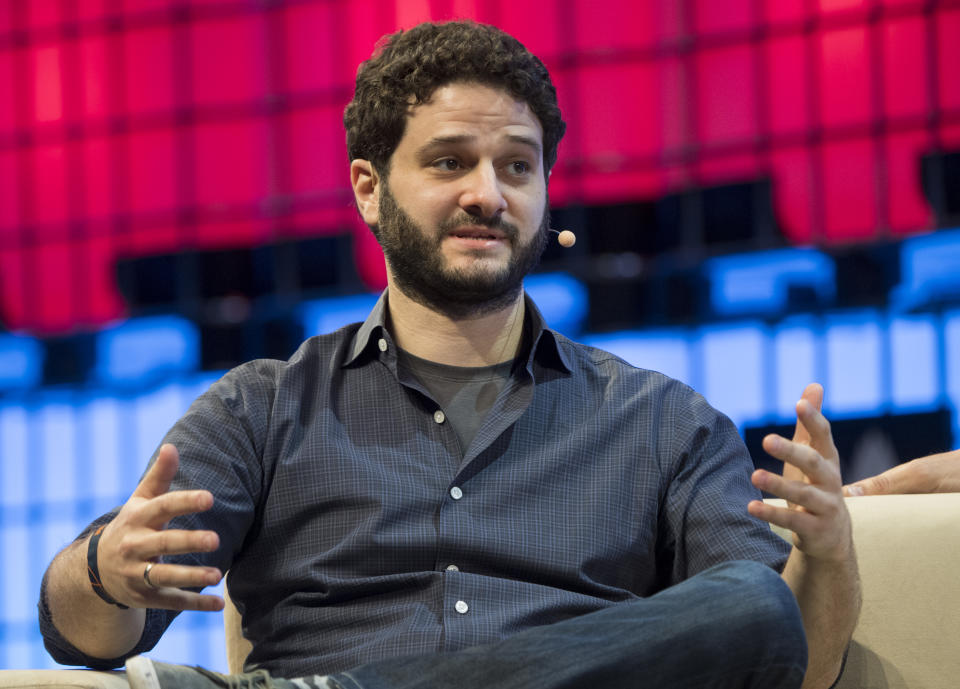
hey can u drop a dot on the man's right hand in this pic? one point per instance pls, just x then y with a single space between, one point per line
137 536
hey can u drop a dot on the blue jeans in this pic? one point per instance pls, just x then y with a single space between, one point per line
734 625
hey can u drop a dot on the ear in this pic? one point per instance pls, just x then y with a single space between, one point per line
366 189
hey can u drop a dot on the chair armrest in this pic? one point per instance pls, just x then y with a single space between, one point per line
908 555
63 679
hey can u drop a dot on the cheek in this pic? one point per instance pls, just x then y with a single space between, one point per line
424 202
531 207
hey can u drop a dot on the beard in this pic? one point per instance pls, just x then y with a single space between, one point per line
419 270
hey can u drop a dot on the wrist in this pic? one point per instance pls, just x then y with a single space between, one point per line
93 569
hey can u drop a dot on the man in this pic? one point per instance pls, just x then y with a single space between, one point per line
450 493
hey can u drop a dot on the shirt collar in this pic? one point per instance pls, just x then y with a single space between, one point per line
546 349
372 329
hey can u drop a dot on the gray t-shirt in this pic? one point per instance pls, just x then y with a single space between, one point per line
464 393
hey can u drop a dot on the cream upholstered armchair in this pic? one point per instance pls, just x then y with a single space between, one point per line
236 645
908 548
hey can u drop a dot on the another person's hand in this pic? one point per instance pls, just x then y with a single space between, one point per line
810 483
931 474
136 537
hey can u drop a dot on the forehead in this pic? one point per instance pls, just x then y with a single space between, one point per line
464 108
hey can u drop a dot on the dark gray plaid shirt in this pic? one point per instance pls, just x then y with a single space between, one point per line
353 531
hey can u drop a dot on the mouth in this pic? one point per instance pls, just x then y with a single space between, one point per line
483 234
475 238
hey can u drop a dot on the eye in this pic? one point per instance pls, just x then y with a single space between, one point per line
447 164
520 167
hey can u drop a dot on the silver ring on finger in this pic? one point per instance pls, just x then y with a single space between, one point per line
146 575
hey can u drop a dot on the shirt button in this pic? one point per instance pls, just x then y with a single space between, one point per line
453 568
461 607
456 493
382 344
439 416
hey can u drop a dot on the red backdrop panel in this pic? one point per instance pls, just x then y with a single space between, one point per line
132 127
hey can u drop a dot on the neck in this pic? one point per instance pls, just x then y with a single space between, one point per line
491 338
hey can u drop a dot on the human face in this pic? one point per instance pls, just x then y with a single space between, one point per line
464 216
417 264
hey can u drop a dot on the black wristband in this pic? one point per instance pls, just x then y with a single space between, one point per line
93 571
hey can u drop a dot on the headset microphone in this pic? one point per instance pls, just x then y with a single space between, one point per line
565 238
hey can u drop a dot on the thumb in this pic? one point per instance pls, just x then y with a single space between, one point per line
157 480
813 394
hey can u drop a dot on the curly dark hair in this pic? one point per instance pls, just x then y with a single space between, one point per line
408 66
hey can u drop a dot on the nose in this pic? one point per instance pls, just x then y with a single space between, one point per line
482 195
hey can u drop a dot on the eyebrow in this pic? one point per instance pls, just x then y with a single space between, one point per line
467 138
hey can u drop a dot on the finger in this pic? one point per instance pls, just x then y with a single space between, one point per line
797 493
157 480
178 599
899 479
797 521
813 394
158 511
171 542
817 469
821 536
169 575
818 427
792 473
876 485
939 473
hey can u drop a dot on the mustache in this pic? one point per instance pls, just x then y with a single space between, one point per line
494 223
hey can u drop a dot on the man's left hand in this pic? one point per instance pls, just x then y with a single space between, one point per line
811 484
